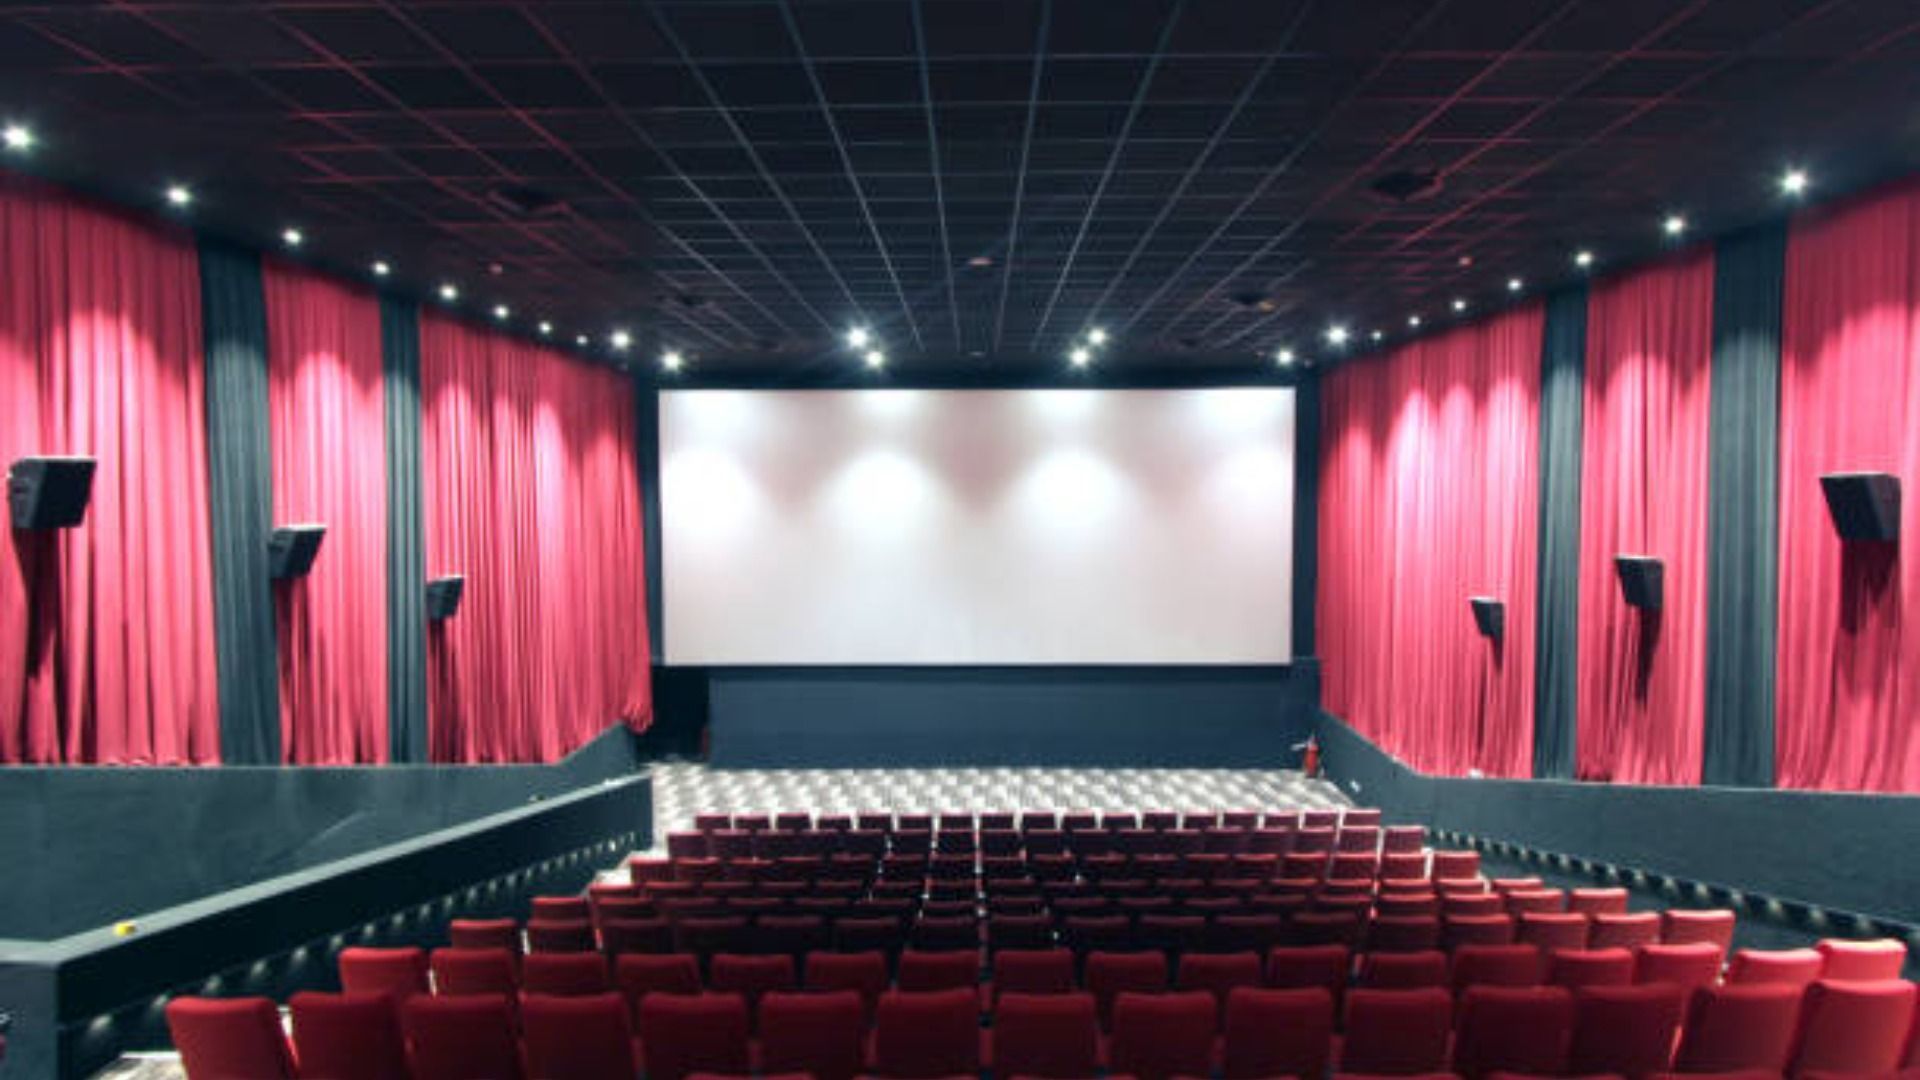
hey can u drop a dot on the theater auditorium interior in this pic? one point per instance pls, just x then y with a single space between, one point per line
913 539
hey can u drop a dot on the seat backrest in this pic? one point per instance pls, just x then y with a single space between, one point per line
926 1035
1628 930
1218 974
1460 930
577 1036
1795 967
1610 901
1684 926
1691 964
638 975
1397 1031
1033 971
1554 930
457 1038
1158 1036
350 1035
944 970
1298 967
484 934
750 976
1628 1030
1110 974
561 908
681 1034
1276 1033
565 974
864 973
1496 965
1730 1028
1574 968
229 1038
474 971
1857 1026
400 972
1524 1029
1879 959
1053 1035
1404 971
818 1034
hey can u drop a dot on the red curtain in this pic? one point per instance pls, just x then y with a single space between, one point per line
1428 495
106 631
531 492
328 419
1849 679
1642 674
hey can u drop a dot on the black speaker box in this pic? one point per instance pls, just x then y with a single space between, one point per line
443 596
1864 505
49 492
1640 579
1489 615
291 552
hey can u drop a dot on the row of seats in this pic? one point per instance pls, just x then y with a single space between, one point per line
1030 820
1219 839
1830 1027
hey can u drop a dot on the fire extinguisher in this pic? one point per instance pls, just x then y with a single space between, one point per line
1310 759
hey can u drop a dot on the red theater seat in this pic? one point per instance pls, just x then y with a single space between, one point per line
863 973
1033 971
1276 1033
1554 930
1597 901
1110 974
1854 1026
560 909
1477 930
565 974
577 1038
229 1038
353 1036
1628 931
1574 968
924 1036
1628 1030
1403 933
1679 926
821 1035
1160 1036
1795 967
925 971
1687 965
484 934
1513 1029
1218 974
400 972
1496 965
700 1033
1734 1028
1397 1032
1305 967
636 936
474 971
638 976
1404 971
1051 1035
1881 959
461 1038
750 976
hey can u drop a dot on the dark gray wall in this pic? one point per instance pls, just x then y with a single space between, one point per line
83 847
872 717
1850 853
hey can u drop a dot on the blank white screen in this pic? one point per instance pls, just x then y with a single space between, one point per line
977 527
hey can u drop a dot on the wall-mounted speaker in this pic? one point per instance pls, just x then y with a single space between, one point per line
1864 505
291 551
49 492
443 596
1640 580
1489 615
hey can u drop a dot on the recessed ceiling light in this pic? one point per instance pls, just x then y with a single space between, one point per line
876 359
581 340
1459 303
18 137
381 268
449 292
1413 321
1377 335
1583 258
179 194
1081 356
293 237
620 339
1792 182
501 311
858 337
1674 225
1514 284
546 328
980 262
1284 357
671 360
1337 335
1097 336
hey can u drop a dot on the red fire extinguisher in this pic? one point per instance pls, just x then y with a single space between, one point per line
1310 761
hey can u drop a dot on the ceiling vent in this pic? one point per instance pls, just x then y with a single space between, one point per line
1407 185
528 203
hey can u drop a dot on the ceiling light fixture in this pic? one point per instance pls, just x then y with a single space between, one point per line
582 340
179 195
1284 357
1096 336
18 137
1674 225
1081 356
1459 303
620 339
501 311
1377 335
1413 321
1337 335
293 237
1793 182
671 360
381 268
1583 258
858 338
876 359
449 292
1514 284
546 328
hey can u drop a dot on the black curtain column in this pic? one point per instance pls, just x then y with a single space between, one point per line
406 536
1306 510
646 449
240 490
1557 619
1743 509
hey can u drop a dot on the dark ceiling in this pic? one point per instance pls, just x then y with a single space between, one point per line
978 180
